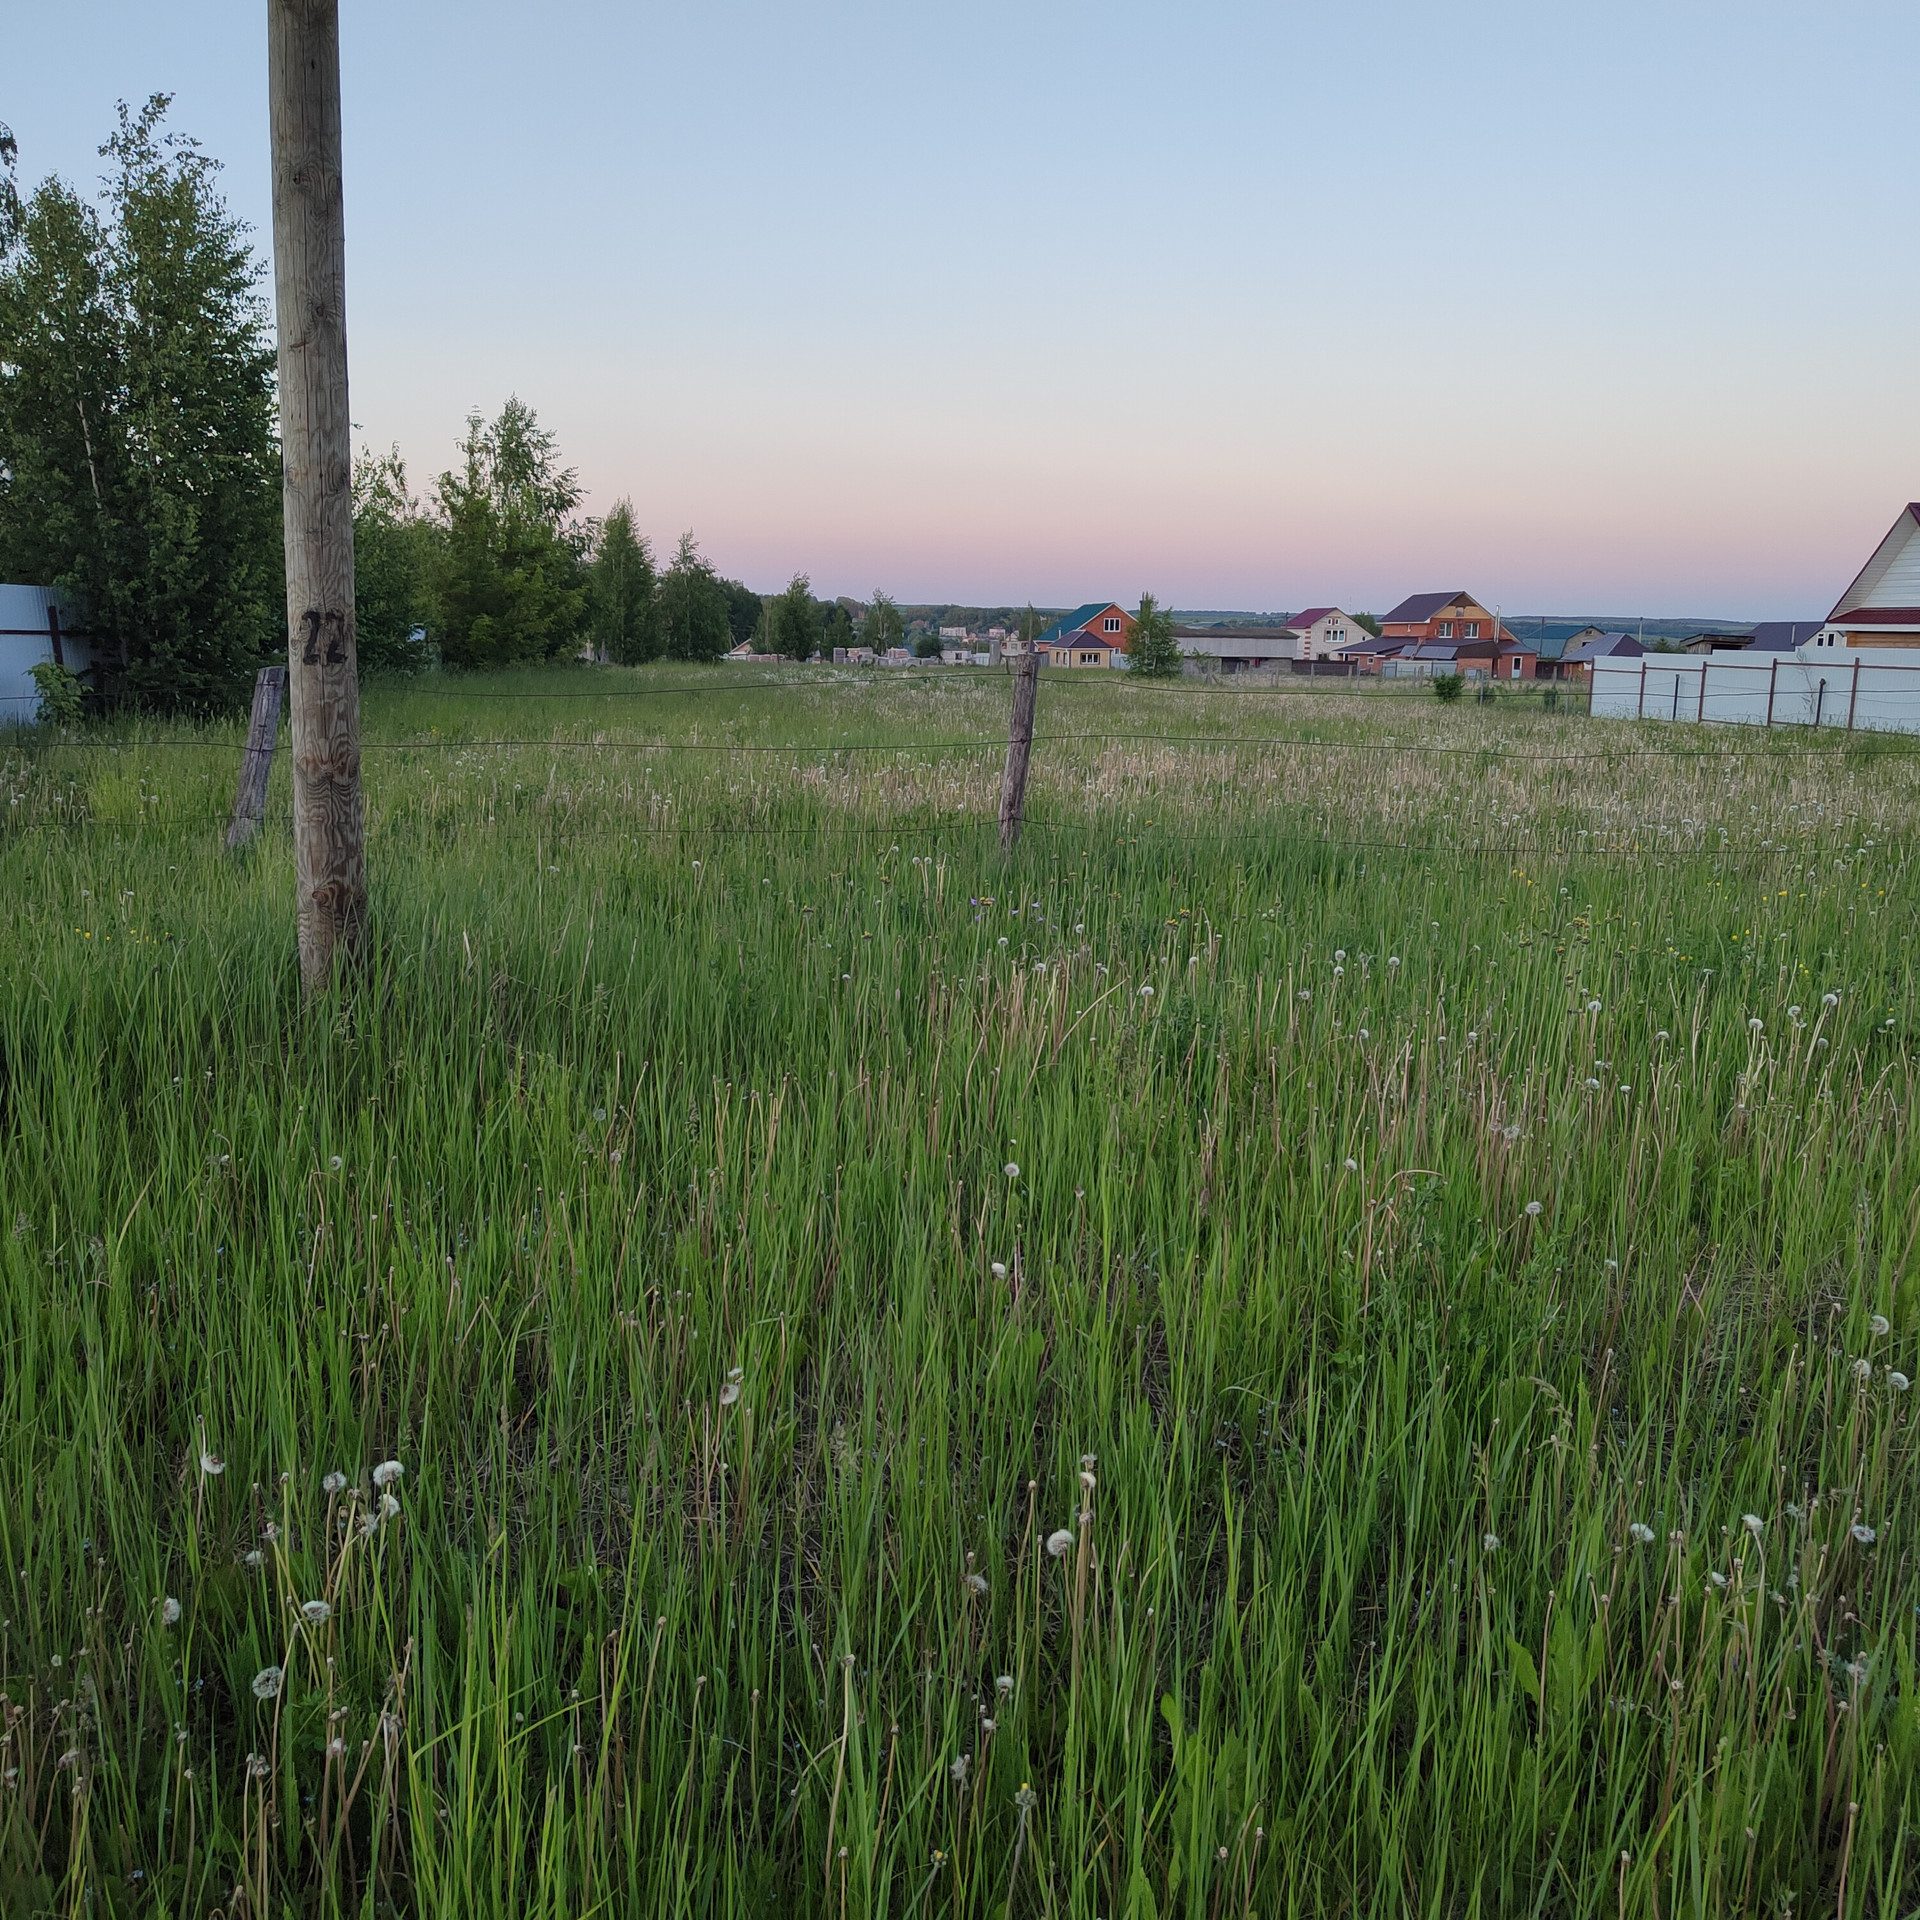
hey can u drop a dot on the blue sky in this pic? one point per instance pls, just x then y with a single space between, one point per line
1604 308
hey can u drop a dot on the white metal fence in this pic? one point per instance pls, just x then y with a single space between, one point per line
1780 690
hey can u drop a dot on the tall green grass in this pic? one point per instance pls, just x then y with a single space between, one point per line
1396 1189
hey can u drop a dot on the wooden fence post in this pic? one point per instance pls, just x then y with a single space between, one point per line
1013 786
316 449
256 764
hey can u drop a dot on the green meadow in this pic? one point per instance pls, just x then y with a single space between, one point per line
1330 1338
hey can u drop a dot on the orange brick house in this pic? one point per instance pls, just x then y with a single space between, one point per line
1438 618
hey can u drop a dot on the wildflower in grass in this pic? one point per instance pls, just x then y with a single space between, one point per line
1003 1684
1677 1537
267 1683
998 1268
1490 1542
1339 953
1364 1034
169 1612
1897 1380
1753 1524
1879 1326
316 1613
1353 1166
977 1586
1863 1371
369 1525
1593 1006
1756 1024
730 1392
1863 1533
337 1163
1592 1085
1716 1579
1059 1541
387 1472
1663 1035
1829 999
1087 1481
1012 1169
1146 993
212 1465
389 1507
1640 1534
958 1770
254 1559
334 1483
1393 960
1793 1013
1534 1209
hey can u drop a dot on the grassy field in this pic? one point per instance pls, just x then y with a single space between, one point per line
1330 1339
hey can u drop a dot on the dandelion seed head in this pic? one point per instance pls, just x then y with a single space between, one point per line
1011 1170
389 1506
729 1393
1897 1380
169 1612
267 1683
334 1483
1490 1542
1059 1541
1863 1533
1753 1524
1534 1209
1879 1326
998 1268
387 1472
1863 1371
253 1558
1593 1006
212 1465
1353 1166
316 1613
1756 1025
1640 1534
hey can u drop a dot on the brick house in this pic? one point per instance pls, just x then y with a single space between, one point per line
1095 635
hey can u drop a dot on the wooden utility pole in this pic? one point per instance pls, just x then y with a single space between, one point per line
316 451
1013 786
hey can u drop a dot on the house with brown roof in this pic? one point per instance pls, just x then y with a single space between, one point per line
1882 607
1448 618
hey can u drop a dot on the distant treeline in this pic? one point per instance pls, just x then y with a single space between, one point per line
140 473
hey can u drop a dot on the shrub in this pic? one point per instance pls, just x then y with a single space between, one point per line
61 693
1446 686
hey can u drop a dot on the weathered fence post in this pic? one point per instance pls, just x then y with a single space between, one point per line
1013 787
316 449
256 764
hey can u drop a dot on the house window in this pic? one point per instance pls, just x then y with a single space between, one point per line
1470 629
1444 631
1111 624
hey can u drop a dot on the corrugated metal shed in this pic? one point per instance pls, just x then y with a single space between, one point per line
27 616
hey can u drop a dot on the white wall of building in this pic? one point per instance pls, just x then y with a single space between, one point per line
1327 635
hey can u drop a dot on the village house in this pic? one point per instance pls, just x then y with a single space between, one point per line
1474 659
1440 619
1577 663
1095 635
1882 607
1320 632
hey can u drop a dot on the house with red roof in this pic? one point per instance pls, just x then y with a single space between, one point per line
1882 607
1322 631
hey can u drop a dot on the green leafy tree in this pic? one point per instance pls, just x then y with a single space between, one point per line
1446 688
746 612
12 213
1367 621
883 625
509 579
1154 651
796 621
625 617
138 465
693 606
393 553
839 630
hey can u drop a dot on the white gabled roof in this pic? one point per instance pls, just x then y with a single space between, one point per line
1891 579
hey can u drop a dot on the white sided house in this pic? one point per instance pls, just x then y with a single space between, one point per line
1320 632
1858 672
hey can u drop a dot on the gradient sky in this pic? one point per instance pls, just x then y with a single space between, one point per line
1579 307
